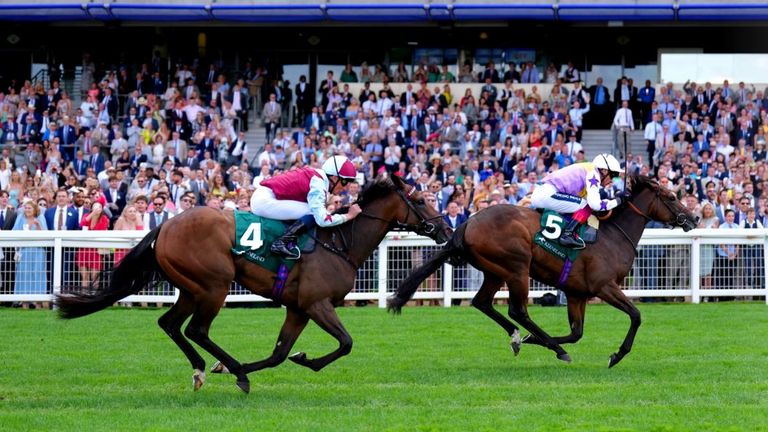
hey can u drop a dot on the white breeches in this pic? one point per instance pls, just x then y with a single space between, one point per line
546 196
264 203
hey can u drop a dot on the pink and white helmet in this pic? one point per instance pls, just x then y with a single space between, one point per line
340 166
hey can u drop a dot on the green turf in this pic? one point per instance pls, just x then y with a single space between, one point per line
693 368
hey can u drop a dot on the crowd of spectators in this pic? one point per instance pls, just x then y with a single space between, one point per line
139 150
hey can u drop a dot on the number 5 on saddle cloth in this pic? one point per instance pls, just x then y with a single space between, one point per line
552 225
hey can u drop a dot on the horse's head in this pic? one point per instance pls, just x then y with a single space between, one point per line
404 207
660 204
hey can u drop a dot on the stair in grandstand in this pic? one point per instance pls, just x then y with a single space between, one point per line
596 141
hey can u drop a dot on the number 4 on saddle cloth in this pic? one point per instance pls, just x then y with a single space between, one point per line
254 236
552 226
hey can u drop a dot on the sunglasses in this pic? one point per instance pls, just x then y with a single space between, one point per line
345 181
159 203
186 200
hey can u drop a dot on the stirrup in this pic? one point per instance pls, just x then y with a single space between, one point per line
572 242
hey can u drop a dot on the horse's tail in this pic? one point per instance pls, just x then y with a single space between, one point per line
453 250
133 273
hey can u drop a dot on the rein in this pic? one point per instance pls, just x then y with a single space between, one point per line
424 227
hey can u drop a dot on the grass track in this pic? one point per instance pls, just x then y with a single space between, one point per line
693 368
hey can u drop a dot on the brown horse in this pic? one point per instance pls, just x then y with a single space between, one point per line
192 251
499 242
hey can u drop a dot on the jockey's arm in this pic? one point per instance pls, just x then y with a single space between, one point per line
316 200
594 200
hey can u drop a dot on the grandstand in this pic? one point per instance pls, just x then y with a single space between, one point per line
128 55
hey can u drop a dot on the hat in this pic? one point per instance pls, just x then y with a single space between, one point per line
142 101
496 191
471 150
434 156
507 184
486 152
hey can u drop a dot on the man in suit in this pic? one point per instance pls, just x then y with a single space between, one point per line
190 161
271 116
7 263
158 215
600 99
190 90
63 217
325 86
304 99
209 78
198 186
80 165
178 144
314 120
96 159
115 195
110 103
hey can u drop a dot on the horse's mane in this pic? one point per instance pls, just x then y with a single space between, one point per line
371 191
378 188
638 182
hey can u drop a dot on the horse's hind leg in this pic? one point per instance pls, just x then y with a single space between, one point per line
483 301
613 295
294 324
323 313
576 308
208 306
518 311
171 323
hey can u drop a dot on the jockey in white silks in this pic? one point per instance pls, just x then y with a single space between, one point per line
302 194
576 189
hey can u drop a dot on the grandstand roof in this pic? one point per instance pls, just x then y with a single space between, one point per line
329 11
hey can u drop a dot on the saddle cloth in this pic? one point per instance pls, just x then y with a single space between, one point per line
552 225
254 236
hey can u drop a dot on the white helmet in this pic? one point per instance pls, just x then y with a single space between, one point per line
340 166
606 161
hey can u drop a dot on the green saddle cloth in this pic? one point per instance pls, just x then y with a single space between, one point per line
254 236
552 225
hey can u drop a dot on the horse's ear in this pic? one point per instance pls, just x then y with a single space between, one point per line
398 182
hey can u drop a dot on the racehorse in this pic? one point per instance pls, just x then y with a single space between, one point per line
498 241
192 252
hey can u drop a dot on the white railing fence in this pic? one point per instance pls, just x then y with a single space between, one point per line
35 265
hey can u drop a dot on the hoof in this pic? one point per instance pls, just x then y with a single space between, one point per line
516 341
198 379
564 357
245 386
298 358
614 360
219 368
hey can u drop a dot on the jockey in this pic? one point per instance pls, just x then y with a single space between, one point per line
576 189
302 195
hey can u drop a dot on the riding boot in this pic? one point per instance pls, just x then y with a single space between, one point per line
570 238
290 236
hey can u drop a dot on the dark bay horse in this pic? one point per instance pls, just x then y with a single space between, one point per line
499 242
192 251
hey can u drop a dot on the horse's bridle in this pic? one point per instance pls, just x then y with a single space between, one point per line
679 216
424 227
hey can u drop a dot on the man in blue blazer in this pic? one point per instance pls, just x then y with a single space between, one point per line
454 217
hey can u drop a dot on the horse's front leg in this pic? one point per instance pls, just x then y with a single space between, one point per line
324 314
613 295
294 324
576 308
